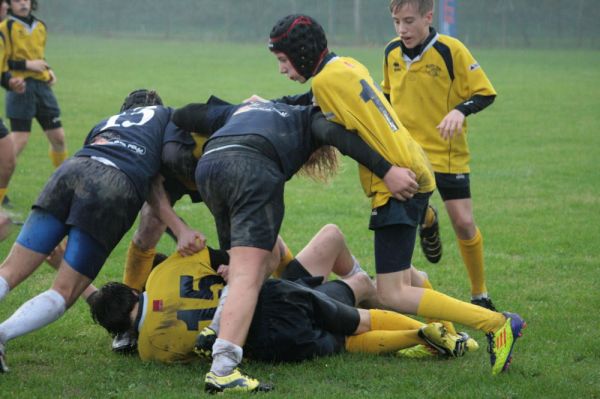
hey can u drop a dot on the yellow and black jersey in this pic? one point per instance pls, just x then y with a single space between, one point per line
346 93
424 89
24 42
181 297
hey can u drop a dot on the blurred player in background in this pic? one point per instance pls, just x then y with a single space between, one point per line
424 67
25 42
7 149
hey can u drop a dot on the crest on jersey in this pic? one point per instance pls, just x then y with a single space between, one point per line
474 66
433 70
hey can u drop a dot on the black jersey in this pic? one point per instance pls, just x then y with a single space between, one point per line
132 141
286 127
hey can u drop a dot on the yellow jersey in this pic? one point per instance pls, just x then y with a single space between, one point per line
346 93
182 294
423 90
25 42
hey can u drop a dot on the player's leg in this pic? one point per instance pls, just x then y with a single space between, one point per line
83 260
142 249
470 243
393 255
244 192
327 252
55 260
5 225
455 190
8 160
48 116
38 237
429 236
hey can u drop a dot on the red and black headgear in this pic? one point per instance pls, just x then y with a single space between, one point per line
302 40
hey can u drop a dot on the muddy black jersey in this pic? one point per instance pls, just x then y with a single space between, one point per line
133 142
286 127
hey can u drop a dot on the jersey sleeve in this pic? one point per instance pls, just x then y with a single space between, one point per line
470 78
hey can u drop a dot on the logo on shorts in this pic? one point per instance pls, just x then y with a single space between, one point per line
56 119
374 212
460 176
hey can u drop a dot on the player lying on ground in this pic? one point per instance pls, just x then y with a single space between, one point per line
183 294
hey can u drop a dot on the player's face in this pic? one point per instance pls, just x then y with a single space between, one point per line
3 10
411 26
20 8
286 68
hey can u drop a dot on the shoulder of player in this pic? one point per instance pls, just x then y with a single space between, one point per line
391 46
455 45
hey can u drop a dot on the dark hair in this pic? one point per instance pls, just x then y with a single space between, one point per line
302 39
111 307
141 98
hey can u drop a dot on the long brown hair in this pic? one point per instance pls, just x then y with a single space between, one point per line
322 164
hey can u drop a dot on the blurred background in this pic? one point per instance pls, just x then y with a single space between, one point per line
489 23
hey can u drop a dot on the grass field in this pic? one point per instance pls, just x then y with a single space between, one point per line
536 194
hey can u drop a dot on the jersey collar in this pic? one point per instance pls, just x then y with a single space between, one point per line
415 54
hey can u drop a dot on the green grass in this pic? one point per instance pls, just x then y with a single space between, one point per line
536 194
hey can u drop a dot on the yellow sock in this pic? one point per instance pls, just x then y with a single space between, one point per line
380 341
429 217
388 320
449 326
472 254
2 194
285 260
57 158
138 266
434 304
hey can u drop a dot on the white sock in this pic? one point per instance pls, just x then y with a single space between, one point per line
483 295
33 315
226 356
355 269
4 288
214 324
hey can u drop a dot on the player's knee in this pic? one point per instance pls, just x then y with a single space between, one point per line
464 226
332 232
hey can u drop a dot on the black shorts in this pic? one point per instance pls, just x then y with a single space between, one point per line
395 225
97 198
336 289
38 101
244 192
293 323
453 185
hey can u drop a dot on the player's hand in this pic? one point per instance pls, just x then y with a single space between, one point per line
190 242
401 182
52 80
451 125
17 85
36 65
255 99
223 271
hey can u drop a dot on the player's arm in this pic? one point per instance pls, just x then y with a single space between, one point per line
202 118
400 181
472 84
188 241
